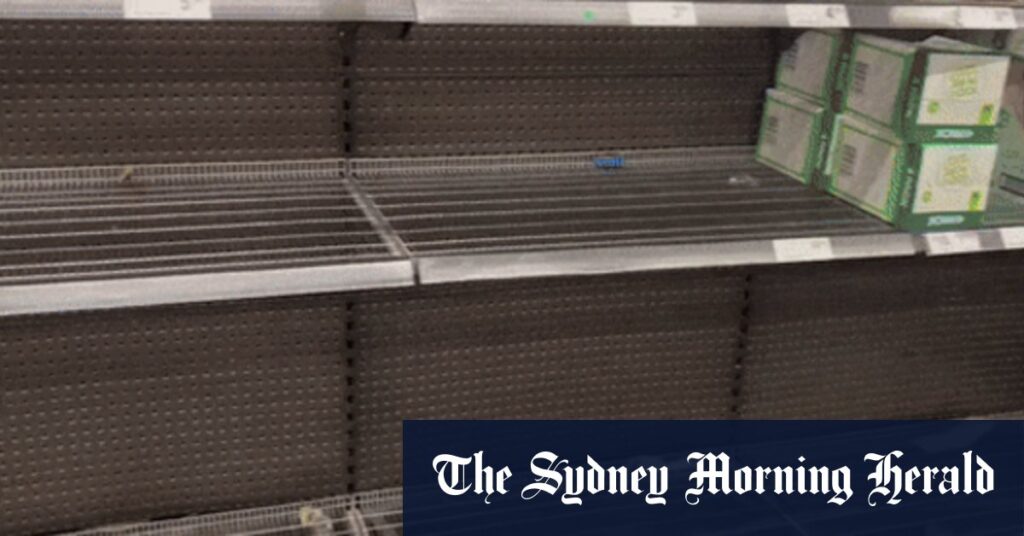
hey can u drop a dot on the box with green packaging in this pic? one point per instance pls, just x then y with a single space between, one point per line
936 90
813 67
915 186
1009 172
791 136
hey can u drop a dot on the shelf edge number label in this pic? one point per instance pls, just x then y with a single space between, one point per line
662 13
803 249
817 16
168 9
1013 237
953 243
986 18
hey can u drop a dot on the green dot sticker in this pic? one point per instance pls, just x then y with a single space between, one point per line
933 107
988 115
589 16
975 203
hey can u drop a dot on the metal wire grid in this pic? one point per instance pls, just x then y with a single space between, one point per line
94 223
376 513
895 338
31 179
666 197
706 158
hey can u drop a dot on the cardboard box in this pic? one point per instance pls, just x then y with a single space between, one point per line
792 137
1010 132
936 90
915 186
814 67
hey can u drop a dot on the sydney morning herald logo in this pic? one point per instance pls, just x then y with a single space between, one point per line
889 481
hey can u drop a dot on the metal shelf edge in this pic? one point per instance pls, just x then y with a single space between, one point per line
975 241
551 12
717 14
440 269
196 288
496 266
255 10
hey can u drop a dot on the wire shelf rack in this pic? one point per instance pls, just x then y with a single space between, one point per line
376 513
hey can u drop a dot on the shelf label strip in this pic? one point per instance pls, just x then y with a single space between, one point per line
1012 237
986 18
662 13
803 250
168 9
953 243
817 16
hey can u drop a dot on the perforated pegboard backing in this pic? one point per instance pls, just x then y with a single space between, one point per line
652 346
119 92
914 338
529 51
141 414
449 90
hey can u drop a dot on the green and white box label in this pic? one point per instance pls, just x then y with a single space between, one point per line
936 90
962 90
954 178
915 186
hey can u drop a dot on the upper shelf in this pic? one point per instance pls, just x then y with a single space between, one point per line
482 218
968 15
108 237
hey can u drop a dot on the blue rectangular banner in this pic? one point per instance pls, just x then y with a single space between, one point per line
621 478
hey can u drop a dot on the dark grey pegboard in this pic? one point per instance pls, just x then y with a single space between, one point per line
98 92
910 338
457 90
140 414
91 93
644 347
135 414
455 116
563 52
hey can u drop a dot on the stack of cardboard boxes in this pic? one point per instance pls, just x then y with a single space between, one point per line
1010 134
799 113
905 131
